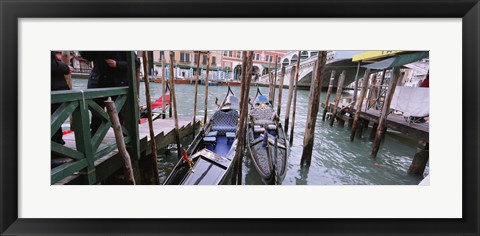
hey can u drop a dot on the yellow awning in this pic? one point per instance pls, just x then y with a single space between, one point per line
374 55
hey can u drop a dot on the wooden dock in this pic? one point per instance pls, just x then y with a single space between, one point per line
418 131
109 162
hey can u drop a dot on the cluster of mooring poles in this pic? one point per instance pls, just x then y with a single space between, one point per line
358 124
247 66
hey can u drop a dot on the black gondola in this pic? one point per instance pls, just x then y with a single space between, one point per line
266 141
212 151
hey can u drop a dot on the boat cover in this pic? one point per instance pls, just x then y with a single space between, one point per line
412 101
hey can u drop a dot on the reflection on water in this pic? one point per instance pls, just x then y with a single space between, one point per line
335 160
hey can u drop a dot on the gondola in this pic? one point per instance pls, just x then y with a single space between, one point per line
208 159
266 141
156 107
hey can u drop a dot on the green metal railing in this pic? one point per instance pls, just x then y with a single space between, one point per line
88 147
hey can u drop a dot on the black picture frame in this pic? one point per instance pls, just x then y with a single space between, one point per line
12 10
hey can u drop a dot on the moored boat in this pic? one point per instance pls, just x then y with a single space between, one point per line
156 107
266 141
208 159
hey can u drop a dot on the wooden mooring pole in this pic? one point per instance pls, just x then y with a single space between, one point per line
173 102
270 83
314 100
122 149
274 81
338 96
355 89
419 160
295 99
290 95
195 95
329 91
385 111
242 123
164 87
366 79
153 176
206 89
280 89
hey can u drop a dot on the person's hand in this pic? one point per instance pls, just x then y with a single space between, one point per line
111 63
70 68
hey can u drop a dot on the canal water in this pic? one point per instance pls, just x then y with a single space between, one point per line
335 160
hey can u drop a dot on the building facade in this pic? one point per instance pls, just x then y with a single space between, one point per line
263 63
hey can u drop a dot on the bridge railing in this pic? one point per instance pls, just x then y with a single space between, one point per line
89 147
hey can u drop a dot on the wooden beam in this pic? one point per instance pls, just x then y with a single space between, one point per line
173 102
329 91
341 79
275 81
122 150
355 90
385 111
313 106
366 79
295 98
419 160
280 90
242 123
152 167
164 87
195 94
206 89
290 95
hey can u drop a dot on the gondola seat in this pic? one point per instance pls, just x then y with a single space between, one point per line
224 121
258 129
212 134
212 141
262 116
230 136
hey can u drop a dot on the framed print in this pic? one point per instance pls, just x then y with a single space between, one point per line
369 196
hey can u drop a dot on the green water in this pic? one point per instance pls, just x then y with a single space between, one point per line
335 160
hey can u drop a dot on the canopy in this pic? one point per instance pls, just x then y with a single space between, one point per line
397 61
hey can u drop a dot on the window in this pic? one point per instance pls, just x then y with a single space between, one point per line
230 53
204 61
239 54
162 55
271 58
195 60
266 58
278 59
257 57
184 57
214 62
225 53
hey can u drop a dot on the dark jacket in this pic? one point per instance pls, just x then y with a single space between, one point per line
58 70
104 76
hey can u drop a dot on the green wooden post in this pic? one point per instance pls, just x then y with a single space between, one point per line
130 115
83 139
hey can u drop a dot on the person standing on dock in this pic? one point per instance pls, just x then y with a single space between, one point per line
58 82
109 70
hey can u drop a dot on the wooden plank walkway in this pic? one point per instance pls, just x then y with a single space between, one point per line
419 131
164 135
